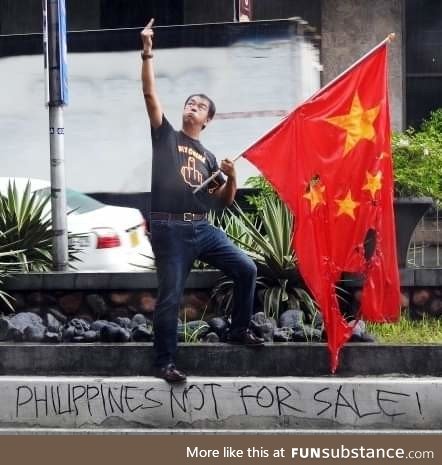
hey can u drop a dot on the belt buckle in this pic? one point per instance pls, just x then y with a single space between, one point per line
188 216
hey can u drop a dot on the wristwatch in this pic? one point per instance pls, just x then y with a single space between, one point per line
145 55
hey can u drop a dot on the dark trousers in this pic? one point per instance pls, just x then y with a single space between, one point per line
176 244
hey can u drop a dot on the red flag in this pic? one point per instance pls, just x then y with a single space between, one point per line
330 161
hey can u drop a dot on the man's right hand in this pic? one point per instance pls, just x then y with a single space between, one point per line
147 35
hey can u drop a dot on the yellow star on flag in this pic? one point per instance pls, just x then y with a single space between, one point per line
358 123
315 195
373 183
347 206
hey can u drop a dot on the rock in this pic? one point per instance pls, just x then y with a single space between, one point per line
34 333
124 322
359 332
318 321
146 302
30 325
52 324
218 325
259 318
307 334
262 326
283 334
52 337
68 334
266 331
91 336
114 333
71 303
119 298
421 297
405 300
5 329
98 324
81 326
292 319
142 333
211 337
137 320
357 327
98 305
25 319
436 308
57 314
123 335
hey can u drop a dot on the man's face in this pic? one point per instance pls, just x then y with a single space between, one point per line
196 111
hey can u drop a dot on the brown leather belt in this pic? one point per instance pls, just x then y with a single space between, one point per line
188 216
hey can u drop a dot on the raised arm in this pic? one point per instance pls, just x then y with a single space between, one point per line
151 99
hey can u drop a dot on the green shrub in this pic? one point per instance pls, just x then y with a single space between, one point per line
417 157
25 220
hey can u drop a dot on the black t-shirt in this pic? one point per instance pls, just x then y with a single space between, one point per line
179 165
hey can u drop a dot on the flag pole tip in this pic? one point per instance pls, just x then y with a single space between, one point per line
391 37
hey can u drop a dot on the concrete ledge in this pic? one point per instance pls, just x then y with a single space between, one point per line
221 403
277 359
198 279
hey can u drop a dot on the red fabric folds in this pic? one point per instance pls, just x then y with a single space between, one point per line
330 161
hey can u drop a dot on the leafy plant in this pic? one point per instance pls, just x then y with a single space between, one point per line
418 159
27 228
267 238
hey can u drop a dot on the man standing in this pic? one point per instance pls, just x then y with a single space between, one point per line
178 223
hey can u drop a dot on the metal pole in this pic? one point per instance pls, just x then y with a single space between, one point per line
58 189
54 36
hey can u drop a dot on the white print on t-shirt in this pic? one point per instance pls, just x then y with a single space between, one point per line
190 174
191 153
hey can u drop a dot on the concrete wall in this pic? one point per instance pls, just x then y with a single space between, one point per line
350 28
253 83
87 402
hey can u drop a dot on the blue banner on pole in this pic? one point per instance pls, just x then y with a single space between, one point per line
55 48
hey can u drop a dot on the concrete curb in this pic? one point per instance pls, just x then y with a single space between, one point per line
229 403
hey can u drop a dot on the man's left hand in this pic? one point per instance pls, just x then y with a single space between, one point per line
228 168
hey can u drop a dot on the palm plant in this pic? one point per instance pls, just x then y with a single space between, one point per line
27 228
267 238
5 269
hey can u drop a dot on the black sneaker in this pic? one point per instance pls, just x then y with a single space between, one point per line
247 338
170 373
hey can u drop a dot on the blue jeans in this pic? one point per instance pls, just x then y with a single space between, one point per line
176 244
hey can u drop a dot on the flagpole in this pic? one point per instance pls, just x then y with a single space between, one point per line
388 39
214 175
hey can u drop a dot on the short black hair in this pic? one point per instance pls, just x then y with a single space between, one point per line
212 109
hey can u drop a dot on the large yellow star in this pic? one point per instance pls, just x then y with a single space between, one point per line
358 123
315 195
374 183
347 206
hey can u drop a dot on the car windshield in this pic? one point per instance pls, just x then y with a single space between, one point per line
76 201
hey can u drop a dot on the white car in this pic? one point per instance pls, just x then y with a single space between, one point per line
113 238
